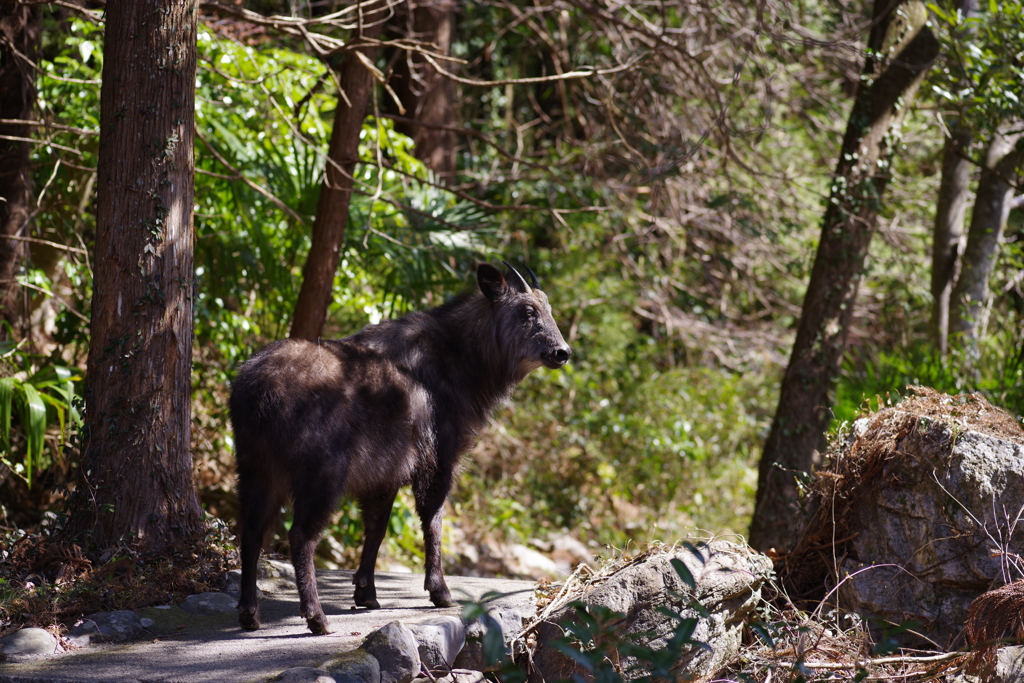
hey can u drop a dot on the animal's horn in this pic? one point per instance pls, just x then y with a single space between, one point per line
533 278
525 287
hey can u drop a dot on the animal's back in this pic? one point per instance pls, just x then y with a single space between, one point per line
338 411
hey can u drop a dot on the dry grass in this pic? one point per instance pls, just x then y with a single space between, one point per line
49 583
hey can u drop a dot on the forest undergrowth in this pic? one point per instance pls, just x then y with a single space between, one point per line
675 249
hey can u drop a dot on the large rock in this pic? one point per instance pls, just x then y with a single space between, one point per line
275 576
439 641
395 648
303 674
509 615
936 523
1005 665
354 666
28 641
728 578
204 604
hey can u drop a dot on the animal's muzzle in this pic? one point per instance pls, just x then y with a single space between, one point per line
558 357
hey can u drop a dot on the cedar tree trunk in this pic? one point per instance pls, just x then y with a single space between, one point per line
19 33
332 207
991 208
136 478
902 49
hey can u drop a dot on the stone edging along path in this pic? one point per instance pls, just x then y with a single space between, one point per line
199 640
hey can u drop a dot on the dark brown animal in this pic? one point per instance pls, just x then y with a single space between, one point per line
393 405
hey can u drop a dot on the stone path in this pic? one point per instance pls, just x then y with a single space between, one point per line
212 648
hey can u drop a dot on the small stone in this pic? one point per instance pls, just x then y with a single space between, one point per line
303 674
395 649
28 641
209 603
233 583
468 677
116 626
274 576
528 563
354 666
568 552
439 641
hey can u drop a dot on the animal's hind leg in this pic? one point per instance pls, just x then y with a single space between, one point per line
313 509
376 513
258 505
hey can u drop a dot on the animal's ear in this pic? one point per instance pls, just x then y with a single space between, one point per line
492 282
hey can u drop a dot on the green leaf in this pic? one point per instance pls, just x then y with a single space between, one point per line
35 428
6 395
684 572
940 13
50 376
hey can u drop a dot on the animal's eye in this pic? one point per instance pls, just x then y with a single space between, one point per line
529 312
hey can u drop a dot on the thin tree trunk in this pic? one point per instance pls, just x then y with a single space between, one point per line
991 208
907 48
136 478
949 227
19 27
332 207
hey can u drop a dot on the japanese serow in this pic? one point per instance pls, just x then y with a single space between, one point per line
394 405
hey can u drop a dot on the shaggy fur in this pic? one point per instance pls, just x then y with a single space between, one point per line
394 405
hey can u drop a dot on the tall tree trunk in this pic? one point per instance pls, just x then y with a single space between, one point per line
332 208
991 208
19 27
902 48
949 227
136 478
950 208
426 94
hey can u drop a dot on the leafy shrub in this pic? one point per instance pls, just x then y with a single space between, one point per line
38 404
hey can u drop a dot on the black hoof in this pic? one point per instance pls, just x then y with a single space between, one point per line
441 598
366 598
250 621
319 625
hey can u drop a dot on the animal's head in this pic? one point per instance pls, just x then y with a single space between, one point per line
526 328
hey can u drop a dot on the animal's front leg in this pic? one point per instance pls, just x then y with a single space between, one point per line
430 497
376 513
434 579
